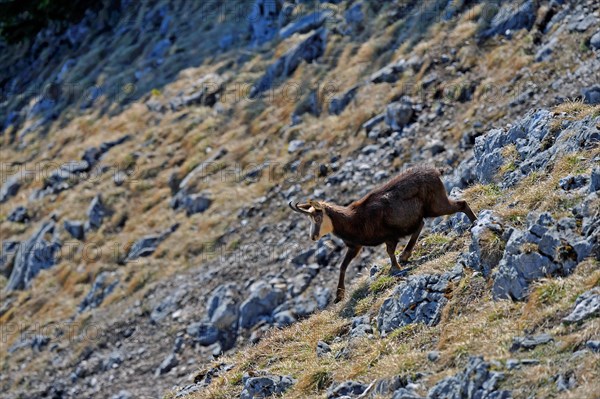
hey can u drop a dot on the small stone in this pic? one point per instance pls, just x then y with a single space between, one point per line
75 229
354 15
304 24
96 212
295 145
399 114
10 188
595 40
475 381
103 285
361 330
511 17
591 95
371 123
322 349
18 215
512 364
122 395
119 178
594 346
167 365
587 306
146 246
261 302
339 103
346 389
283 319
528 342
370 149
572 182
204 333
595 180
269 385
566 381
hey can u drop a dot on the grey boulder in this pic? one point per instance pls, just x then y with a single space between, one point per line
167 365
529 342
304 24
420 299
263 299
18 215
223 311
203 333
339 103
322 349
308 50
33 256
103 285
264 19
346 389
572 182
587 306
512 17
97 212
75 228
595 40
591 95
147 245
399 114
10 188
482 255
264 386
546 248
476 381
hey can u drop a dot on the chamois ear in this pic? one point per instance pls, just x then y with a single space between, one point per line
316 204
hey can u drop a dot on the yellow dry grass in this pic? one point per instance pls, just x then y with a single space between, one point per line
254 132
472 323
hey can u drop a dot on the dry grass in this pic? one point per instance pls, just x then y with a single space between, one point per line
577 109
510 155
472 324
254 132
483 196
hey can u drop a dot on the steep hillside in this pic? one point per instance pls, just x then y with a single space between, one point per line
149 152
445 329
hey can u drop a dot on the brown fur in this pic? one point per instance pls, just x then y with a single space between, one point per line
388 213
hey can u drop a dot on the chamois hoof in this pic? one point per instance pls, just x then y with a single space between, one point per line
338 299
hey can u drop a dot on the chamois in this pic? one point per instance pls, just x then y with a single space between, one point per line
392 211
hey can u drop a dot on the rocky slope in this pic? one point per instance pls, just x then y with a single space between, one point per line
506 310
149 151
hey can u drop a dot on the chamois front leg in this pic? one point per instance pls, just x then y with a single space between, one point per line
351 253
467 210
390 247
411 244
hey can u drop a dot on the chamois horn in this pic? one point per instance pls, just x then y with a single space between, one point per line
296 208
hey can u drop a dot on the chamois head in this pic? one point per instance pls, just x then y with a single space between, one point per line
320 223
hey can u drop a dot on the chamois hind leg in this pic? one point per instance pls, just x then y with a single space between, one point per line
351 253
390 247
411 244
445 206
